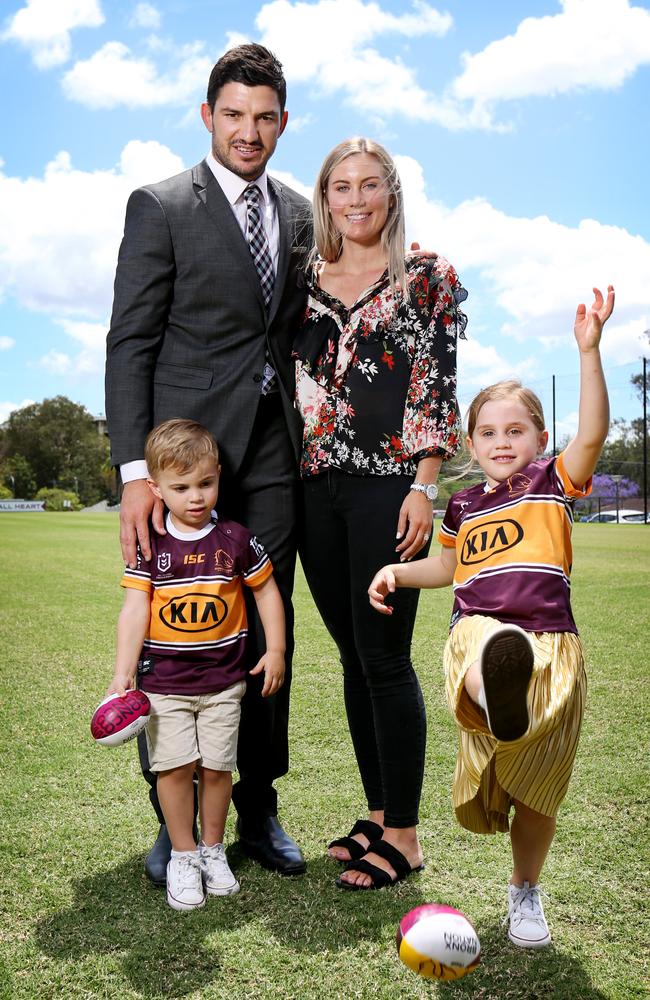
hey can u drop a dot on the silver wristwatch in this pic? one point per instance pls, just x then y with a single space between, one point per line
430 490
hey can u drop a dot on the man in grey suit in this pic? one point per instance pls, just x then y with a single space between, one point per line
207 298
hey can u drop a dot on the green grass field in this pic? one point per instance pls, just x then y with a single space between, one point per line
80 920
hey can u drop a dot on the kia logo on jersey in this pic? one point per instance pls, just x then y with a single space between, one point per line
194 612
489 538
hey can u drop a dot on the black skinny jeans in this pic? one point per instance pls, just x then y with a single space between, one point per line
349 533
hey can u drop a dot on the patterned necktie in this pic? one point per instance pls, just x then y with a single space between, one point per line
258 243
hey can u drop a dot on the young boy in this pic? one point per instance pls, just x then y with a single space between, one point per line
183 627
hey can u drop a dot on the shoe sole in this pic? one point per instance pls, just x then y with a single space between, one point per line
176 904
229 891
506 661
252 853
523 943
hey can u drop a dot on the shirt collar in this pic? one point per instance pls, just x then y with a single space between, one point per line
190 536
231 184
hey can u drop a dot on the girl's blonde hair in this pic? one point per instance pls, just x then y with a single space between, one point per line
329 242
179 445
506 389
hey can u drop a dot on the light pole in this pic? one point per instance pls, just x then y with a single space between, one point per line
616 480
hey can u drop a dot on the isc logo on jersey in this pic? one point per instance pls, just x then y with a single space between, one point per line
194 612
490 538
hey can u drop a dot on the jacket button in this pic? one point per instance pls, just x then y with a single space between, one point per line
257 378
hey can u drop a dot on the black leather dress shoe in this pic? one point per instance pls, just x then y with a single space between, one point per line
155 864
264 840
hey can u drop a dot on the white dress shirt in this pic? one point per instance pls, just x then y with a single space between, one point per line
233 187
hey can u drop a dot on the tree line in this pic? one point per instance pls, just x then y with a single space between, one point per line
53 451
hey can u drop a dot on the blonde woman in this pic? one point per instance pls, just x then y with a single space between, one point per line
375 386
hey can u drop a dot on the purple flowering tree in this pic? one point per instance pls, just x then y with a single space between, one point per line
604 486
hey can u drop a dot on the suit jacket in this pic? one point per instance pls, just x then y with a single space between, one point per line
189 332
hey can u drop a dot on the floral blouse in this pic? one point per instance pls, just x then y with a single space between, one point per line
375 384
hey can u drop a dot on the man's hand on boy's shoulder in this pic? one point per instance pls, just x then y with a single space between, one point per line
136 505
272 665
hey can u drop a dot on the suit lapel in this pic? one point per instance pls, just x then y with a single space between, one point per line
285 236
218 207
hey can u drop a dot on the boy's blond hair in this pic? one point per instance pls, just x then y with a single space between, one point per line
506 389
179 445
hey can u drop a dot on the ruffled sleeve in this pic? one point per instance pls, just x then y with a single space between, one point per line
432 423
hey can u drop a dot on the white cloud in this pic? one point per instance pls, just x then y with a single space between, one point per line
87 361
300 123
566 427
343 60
626 342
287 178
6 343
6 408
234 38
56 363
343 29
44 27
593 44
145 15
480 364
536 270
59 234
113 76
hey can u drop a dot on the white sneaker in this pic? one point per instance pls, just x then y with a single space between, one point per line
217 876
528 927
184 882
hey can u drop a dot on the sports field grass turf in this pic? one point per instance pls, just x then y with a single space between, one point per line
78 918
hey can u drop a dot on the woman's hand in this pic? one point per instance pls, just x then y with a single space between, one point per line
414 525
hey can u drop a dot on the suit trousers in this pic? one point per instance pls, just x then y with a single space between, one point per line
349 533
264 498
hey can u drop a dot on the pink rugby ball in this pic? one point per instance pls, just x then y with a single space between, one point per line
438 942
120 718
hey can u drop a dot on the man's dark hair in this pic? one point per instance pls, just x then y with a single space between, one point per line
252 65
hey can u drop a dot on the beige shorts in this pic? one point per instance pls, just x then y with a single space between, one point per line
202 727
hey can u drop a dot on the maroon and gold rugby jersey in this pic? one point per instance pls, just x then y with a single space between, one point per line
196 642
513 546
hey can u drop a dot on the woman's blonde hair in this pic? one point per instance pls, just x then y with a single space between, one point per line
506 389
329 242
179 445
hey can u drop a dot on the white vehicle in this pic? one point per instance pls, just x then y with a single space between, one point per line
625 516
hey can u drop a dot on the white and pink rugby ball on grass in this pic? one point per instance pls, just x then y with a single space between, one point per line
438 942
120 718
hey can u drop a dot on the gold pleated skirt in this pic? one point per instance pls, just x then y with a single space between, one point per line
534 769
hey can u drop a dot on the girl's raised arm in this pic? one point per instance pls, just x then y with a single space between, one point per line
583 452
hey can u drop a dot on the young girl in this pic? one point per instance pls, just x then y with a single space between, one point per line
513 662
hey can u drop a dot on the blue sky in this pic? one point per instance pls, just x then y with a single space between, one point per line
521 130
